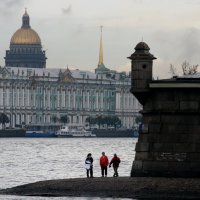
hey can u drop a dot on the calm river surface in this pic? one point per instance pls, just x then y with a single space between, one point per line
26 160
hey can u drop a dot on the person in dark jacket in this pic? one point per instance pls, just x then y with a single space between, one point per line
103 161
89 165
115 162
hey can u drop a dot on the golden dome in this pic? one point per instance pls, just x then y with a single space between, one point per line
25 36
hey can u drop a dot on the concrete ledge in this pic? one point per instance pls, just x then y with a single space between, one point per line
121 187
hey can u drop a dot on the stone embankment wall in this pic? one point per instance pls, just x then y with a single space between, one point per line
169 142
114 133
12 133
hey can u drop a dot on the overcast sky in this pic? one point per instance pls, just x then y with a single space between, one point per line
69 31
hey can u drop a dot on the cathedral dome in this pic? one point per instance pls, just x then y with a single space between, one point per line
25 47
25 35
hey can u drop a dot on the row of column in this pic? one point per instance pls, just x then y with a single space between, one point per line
126 101
19 118
16 97
72 100
27 97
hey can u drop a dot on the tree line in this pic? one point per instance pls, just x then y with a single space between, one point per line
99 120
104 120
63 119
4 120
107 121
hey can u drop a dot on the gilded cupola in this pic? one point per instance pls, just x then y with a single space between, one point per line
25 47
25 35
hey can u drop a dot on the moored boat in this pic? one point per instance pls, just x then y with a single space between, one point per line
74 131
41 130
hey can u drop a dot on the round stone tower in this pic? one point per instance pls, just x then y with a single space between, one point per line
142 61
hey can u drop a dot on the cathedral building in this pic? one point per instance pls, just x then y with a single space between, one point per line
25 48
33 94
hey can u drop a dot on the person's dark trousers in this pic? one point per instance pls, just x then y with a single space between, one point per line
87 173
115 171
103 171
90 171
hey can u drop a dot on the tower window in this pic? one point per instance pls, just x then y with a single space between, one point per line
144 66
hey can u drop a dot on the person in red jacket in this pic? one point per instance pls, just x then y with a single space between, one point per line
115 162
104 164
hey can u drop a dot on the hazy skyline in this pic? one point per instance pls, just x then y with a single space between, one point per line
69 31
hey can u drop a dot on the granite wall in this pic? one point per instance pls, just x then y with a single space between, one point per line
169 141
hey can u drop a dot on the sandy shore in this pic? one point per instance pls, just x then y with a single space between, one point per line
124 187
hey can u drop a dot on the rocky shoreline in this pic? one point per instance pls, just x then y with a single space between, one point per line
120 187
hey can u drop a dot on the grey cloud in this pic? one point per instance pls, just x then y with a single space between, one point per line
8 7
138 1
175 47
179 45
11 3
189 45
192 2
67 10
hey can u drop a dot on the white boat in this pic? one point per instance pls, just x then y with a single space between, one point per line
74 131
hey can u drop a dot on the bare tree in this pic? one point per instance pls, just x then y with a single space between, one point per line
172 70
189 69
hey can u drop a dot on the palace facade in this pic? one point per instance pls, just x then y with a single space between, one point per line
32 94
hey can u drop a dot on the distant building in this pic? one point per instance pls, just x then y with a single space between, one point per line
35 94
25 48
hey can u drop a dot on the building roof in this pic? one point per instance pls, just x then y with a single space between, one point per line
190 76
142 52
62 74
51 72
142 46
185 81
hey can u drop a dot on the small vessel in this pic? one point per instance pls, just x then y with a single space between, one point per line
74 131
41 130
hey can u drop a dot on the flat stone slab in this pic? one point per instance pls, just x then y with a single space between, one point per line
121 187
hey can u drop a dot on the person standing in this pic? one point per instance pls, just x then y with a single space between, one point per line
115 162
89 165
104 164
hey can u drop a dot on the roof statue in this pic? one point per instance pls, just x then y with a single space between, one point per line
65 76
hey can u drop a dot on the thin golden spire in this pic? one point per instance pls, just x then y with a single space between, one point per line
101 48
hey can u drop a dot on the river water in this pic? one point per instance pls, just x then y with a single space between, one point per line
26 160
